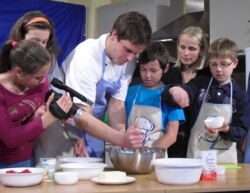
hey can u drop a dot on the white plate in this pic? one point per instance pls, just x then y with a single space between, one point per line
127 180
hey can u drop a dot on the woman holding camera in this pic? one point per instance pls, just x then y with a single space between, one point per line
23 84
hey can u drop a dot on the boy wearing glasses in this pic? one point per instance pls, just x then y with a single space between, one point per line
218 95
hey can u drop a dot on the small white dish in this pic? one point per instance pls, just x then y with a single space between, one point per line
214 122
66 178
127 180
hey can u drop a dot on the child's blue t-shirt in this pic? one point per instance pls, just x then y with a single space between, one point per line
152 97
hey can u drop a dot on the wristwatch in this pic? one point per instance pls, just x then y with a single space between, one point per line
78 114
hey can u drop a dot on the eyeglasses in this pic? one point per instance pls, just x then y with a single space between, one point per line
222 65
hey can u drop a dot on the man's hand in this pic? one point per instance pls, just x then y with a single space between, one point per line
133 137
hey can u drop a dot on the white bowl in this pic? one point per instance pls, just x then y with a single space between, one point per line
178 171
80 160
66 178
85 170
21 179
214 122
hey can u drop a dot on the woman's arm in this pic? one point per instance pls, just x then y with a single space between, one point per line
186 94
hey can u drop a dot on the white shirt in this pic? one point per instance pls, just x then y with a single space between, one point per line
83 69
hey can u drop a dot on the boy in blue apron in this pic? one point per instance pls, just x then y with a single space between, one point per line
158 122
215 96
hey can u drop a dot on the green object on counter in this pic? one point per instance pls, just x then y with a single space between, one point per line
230 166
58 170
106 118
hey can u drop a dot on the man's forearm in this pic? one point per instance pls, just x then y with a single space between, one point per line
116 114
98 129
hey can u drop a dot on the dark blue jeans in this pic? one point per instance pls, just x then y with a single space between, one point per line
26 163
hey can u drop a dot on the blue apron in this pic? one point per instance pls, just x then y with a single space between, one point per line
95 147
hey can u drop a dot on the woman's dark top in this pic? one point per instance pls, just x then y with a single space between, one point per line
179 148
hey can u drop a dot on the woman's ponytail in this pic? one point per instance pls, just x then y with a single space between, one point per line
5 61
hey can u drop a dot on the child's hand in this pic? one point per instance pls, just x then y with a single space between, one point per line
59 107
40 111
159 144
224 128
65 102
180 96
80 149
212 131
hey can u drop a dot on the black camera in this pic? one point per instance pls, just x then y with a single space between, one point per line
55 109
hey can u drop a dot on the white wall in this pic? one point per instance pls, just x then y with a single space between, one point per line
158 12
230 18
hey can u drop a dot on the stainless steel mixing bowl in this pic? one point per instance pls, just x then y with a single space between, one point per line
135 161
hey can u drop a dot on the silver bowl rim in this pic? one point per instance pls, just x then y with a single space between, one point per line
142 150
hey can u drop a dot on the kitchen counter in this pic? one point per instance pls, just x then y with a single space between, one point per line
232 180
